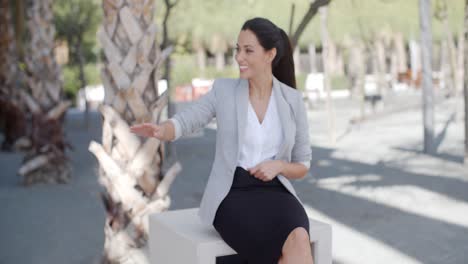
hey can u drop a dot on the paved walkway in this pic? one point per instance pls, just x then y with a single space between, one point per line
386 200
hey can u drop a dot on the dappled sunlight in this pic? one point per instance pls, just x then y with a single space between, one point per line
412 199
344 180
345 240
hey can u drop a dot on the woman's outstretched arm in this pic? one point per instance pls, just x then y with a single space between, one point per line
195 116
164 131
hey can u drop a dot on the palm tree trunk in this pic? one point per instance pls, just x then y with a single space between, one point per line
130 167
12 118
46 161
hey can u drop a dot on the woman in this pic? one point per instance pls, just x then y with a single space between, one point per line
261 142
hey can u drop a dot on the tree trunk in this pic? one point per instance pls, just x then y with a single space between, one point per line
393 65
445 66
201 60
381 65
402 64
451 52
465 28
312 58
82 76
311 12
339 62
131 167
20 18
460 60
167 43
326 74
426 54
12 117
297 60
415 61
331 49
219 47
220 61
46 161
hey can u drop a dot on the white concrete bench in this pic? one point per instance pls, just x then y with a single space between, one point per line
179 237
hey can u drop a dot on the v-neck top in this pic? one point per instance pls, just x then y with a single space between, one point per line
262 140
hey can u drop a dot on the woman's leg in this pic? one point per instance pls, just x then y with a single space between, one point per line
297 248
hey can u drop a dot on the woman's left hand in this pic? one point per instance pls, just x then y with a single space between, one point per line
267 170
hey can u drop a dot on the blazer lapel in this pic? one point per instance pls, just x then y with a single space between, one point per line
242 100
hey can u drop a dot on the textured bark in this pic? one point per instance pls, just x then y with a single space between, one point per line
43 97
130 166
12 118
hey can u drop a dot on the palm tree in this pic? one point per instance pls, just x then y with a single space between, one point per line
43 96
130 167
12 119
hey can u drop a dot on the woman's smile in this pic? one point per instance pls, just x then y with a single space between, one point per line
243 68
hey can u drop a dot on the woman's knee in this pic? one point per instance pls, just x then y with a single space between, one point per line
297 238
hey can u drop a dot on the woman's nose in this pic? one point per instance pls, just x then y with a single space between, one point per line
239 57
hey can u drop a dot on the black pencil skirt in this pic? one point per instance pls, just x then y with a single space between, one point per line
256 217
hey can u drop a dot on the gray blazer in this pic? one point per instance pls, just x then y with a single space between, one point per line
228 101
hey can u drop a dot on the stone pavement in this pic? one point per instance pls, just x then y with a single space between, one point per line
387 201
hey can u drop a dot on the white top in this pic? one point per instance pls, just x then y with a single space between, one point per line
262 141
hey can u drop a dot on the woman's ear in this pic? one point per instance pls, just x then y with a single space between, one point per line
272 54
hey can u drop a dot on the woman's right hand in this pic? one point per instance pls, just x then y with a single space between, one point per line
148 130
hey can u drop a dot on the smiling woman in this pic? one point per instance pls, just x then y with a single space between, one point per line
262 143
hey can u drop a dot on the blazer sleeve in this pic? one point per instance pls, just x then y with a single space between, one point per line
197 115
301 151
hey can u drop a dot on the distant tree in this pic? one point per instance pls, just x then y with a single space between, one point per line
76 21
441 13
168 43
326 73
428 93
311 12
46 160
465 28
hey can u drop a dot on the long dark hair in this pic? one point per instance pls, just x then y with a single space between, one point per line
270 36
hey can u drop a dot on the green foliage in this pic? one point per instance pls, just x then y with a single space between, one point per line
76 21
185 69
71 84
339 82
202 19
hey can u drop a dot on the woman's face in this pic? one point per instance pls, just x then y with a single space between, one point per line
252 58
